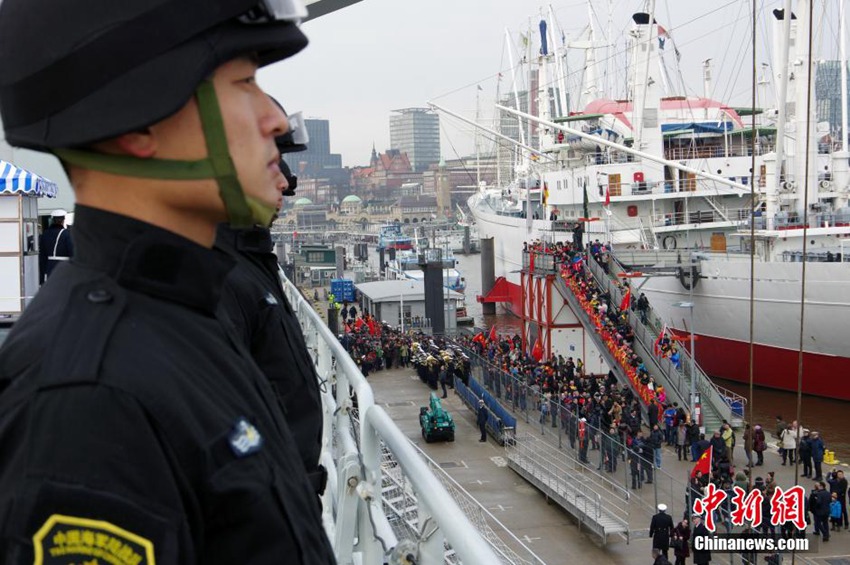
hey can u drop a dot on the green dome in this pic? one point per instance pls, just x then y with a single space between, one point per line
302 202
351 198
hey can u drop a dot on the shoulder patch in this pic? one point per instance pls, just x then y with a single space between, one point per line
68 540
245 439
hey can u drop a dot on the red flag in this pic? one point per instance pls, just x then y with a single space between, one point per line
493 336
703 463
537 350
626 300
607 197
657 346
479 338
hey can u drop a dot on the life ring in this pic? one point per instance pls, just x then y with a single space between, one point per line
669 242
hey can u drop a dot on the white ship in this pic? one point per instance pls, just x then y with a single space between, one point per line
687 191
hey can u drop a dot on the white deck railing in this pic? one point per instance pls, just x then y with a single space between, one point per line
356 433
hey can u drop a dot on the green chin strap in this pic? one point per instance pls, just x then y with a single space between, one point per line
242 210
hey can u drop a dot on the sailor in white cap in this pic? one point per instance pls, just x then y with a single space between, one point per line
55 245
482 419
661 530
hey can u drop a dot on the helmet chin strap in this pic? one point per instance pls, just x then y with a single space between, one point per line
242 210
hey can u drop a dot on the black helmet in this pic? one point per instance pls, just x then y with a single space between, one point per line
75 73
78 72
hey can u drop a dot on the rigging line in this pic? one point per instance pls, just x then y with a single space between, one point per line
462 162
805 235
726 51
749 441
614 55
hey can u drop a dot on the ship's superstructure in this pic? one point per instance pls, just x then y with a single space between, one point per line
675 174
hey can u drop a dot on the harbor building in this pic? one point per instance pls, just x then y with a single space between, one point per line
388 300
416 132
828 95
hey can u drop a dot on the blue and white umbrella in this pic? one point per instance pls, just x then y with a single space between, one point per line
14 180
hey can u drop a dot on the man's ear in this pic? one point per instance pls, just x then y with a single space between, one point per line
141 143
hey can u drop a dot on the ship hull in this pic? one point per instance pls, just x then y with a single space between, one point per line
721 312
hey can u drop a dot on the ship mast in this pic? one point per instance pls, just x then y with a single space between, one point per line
782 47
513 78
559 68
804 123
843 51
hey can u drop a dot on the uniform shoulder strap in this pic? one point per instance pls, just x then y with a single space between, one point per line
56 243
85 327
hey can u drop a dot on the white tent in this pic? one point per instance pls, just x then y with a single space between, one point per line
14 180
19 193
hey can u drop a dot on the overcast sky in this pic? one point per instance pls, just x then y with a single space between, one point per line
379 55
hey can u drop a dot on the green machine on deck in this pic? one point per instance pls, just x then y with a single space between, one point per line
436 422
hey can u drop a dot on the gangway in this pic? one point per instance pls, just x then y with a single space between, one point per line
536 264
716 403
600 507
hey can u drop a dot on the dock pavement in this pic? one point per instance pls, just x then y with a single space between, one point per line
542 526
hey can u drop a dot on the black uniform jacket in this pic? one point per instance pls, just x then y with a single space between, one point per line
253 301
133 427
55 238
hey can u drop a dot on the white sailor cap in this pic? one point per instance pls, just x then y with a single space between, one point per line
58 213
662 507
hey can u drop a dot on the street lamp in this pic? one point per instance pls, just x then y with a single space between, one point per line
690 307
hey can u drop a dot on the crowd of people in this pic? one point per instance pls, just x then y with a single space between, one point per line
596 413
374 345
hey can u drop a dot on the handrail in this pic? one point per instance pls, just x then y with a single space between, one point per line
527 446
522 396
352 511
704 385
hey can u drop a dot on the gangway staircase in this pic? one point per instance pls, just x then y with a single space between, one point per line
716 403
600 505
547 268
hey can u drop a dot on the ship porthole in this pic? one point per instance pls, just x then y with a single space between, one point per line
669 242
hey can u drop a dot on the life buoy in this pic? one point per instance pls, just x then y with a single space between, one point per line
669 242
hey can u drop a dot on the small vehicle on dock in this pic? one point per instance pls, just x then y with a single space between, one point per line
436 422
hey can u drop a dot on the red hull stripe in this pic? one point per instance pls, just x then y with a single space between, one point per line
775 367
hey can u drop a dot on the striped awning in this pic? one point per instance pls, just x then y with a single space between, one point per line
14 180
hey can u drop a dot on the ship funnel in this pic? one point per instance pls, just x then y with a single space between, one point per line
641 18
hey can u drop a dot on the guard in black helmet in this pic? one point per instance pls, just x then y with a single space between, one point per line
134 428
253 301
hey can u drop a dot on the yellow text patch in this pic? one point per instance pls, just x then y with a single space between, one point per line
70 540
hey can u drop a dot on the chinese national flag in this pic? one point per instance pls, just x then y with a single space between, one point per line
627 298
493 336
537 350
607 197
703 463
657 346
